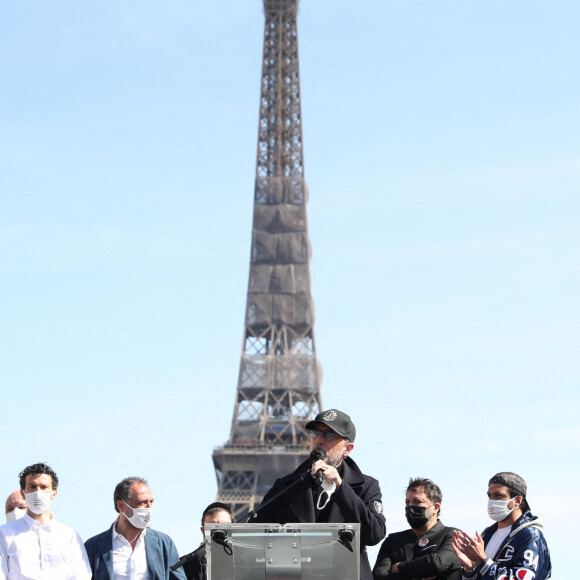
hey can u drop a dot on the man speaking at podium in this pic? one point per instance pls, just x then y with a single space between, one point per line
341 494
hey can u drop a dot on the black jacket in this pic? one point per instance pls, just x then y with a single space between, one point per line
196 568
358 500
435 558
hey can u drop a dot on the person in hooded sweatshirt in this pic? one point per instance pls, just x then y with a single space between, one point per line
514 548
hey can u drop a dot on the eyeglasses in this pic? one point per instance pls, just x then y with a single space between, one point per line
327 434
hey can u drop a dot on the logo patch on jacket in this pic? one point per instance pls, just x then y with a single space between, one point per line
525 574
378 507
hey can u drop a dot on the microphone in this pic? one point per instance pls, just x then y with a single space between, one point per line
184 559
315 455
345 537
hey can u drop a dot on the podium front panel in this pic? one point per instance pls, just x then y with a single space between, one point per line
283 552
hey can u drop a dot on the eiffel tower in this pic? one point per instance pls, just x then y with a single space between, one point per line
279 380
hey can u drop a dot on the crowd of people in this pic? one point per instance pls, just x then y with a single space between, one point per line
35 546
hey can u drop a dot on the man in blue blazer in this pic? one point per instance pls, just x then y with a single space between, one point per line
130 549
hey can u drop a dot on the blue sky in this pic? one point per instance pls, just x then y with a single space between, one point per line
442 158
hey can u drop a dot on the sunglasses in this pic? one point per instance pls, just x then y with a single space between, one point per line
328 435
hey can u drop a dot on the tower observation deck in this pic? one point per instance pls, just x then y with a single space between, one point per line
279 380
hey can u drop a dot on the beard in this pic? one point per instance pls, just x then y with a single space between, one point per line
332 457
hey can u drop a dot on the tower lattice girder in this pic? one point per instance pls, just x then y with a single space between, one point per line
279 379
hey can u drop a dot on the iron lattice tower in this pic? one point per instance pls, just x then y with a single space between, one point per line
279 380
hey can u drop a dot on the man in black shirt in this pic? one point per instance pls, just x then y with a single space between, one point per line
214 513
425 550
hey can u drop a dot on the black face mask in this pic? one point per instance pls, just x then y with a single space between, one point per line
416 516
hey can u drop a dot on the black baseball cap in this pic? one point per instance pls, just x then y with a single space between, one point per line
336 420
512 480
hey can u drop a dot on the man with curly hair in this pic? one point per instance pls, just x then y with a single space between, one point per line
37 546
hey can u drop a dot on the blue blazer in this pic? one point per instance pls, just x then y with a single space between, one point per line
160 549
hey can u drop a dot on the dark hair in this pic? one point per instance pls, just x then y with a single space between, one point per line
215 507
123 489
38 469
514 493
432 490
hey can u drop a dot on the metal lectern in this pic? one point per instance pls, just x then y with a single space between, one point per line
283 552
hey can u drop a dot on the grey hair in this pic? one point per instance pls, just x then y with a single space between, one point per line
123 489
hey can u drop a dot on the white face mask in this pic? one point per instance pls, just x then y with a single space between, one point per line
15 514
498 510
327 490
38 501
141 517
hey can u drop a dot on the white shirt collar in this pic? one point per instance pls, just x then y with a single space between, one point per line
117 536
33 524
